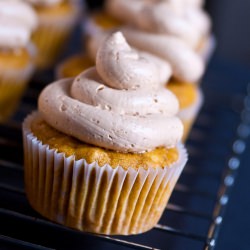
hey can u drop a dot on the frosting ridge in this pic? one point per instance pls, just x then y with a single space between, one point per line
186 64
171 30
172 17
124 68
44 2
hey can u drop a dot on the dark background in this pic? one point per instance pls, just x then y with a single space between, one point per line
231 26
231 20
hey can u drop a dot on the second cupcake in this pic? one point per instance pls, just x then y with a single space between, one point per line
56 21
17 53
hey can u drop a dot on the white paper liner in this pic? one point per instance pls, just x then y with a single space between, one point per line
92 198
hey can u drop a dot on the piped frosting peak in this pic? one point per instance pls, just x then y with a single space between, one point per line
111 107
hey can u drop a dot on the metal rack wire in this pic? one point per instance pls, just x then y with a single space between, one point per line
194 215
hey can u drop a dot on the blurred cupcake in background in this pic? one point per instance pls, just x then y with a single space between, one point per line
17 53
185 19
57 19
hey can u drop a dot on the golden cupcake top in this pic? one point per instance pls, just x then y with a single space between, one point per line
157 158
121 104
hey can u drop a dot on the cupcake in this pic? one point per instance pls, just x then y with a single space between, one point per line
103 152
17 21
57 18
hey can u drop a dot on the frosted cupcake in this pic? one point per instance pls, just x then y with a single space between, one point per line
17 21
57 18
103 152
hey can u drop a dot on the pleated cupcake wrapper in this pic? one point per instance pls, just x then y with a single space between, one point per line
189 114
52 35
91 198
12 85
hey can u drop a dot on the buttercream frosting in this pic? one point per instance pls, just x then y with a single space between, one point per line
185 64
184 3
110 106
17 21
169 30
44 2
179 18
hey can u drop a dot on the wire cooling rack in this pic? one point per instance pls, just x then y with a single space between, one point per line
193 217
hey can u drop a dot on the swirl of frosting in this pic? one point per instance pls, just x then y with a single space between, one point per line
164 68
125 11
17 21
184 3
185 64
118 117
186 21
169 30
44 2
140 72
